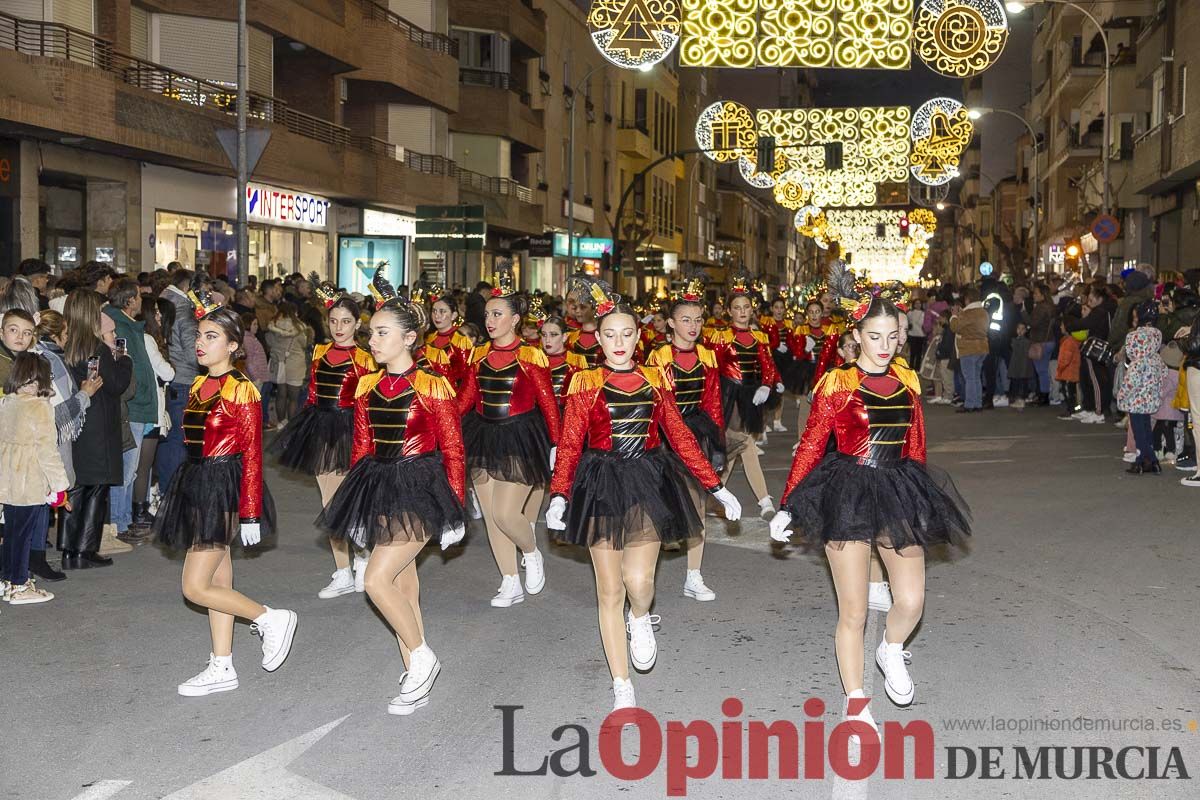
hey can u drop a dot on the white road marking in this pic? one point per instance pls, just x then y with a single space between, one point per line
265 777
101 790
989 461
1085 458
979 445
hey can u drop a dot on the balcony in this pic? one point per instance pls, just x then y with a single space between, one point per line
492 104
524 24
420 63
1147 161
507 204
633 140
1152 45
64 82
1121 9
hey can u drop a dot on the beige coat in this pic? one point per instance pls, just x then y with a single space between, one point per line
30 466
970 328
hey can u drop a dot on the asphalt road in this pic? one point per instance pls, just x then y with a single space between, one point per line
1075 606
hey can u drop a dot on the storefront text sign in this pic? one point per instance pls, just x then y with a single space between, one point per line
284 207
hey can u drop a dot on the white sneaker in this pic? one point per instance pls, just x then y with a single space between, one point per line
26 594
623 694
758 449
218 676
892 660
762 439
342 583
1194 480
1000 401
1167 458
879 596
778 427
693 587
400 708
360 574
510 592
1080 414
5 590
535 572
643 650
766 507
1129 458
423 669
862 716
276 626
1018 404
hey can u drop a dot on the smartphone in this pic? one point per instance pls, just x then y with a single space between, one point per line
93 368
120 348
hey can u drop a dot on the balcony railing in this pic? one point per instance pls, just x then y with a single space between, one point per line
493 79
52 40
634 125
437 42
501 186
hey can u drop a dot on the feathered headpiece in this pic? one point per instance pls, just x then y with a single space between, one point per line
856 298
502 283
743 285
427 293
595 292
537 312
382 289
201 297
692 290
325 291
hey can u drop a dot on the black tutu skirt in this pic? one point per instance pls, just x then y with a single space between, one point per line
200 507
618 502
785 363
515 449
393 500
710 438
316 441
893 506
737 400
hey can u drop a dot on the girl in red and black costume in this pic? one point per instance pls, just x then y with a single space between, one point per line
317 441
407 483
217 495
623 494
875 489
777 326
562 363
654 332
510 425
445 336
695 379
748 378
584 340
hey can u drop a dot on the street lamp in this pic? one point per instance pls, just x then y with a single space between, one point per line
976 113
1018 7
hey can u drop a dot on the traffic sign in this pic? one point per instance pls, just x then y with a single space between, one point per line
1106 228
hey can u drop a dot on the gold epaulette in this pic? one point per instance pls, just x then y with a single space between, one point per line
429 384
435 356
653 376
364 359
196 382
573 336
660 356
761 337
845 378
576 361
586 380
480 352
238 389
460 341
367 382
707 357
528 354
721 336
429 337
320 350
906 375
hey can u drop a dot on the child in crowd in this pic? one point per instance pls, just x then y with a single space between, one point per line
1140 394
1020 368
1166 418
255 365
32 476
1067 372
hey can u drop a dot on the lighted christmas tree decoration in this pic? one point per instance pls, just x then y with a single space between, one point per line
960 38
634 34
941 131
726 131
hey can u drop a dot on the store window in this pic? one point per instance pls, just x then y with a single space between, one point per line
211 244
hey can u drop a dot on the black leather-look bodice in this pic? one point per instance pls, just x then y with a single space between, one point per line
496 386
389 421
747 358
631 415
888 421
689 386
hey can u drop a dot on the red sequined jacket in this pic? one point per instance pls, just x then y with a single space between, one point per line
744 355
624 412
223 417
457 348
868 425
334 373
586 344
409 414
694 378
502 383
777 330
562 366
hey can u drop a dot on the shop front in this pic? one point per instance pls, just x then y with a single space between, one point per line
369 237
191 220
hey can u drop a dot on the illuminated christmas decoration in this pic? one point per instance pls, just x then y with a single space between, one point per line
856 232
924 218
792 190
960 38
634 33
726 131
941 132
759 180
810 221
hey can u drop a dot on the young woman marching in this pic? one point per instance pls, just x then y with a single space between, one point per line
510 424
624 494
777 325
445 335
748 378
407 483
562 363
583 341
875 489
317 442
695 380
217 495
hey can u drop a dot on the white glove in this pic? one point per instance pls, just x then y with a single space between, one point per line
810 344
733 509
473 504
782 348
780 530
646 319
779 388
251 533
452 536
553 456
554 514
761 395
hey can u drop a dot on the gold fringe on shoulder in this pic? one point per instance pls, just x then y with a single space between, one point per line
429 384
576 361
721 336
528 354
436 356
364 359
196 382
480 353
461 341
842 379
707 357
761 337
587 380
653 376
660 357
320 350
238 389
367 382
906 375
